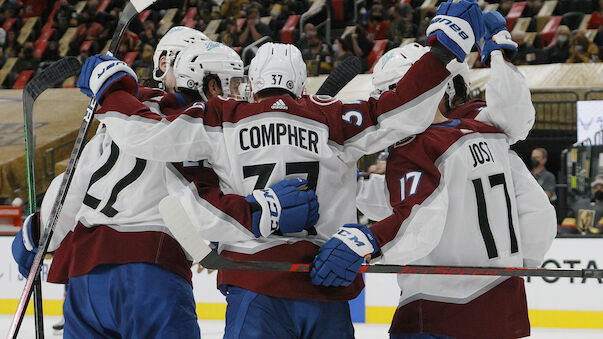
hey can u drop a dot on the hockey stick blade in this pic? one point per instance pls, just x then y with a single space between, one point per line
175 218
132 9
340 77
49 77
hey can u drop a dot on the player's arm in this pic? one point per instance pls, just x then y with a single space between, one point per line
537 218
419 200
134 127
372 197
508 99
283 207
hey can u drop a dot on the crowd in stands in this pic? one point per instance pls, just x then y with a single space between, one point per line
559 31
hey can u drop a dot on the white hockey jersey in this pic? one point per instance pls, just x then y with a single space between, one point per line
254 145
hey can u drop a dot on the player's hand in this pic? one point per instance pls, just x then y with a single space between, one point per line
100 72
25 244
457 26
284 206
339 259
497 37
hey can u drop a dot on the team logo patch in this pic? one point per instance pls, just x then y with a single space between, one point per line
290 84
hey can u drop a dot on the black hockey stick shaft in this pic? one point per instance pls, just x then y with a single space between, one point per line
49 77
215 261
341 76
132 9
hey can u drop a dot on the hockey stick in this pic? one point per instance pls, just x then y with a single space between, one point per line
52 75
344 73
182 229
132 9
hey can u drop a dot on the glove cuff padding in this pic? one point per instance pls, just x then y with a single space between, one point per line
456 30
31 232
271 211
359 239
109 73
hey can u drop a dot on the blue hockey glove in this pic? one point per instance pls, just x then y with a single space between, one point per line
101 72
339 259
496 37
25 244
284 206
457 26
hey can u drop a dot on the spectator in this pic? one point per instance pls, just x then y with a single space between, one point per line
149 34
52 52
429 14
582 50
230 35
309 32
526 53
254 29
27 61
232 8
63 16
145 60
532 8
586 214
341 52
376 25
361 45
560 51
317 56
505 7
401 24
12 47
545 179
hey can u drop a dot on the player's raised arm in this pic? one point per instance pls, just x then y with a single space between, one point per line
133 126
377 123
508 99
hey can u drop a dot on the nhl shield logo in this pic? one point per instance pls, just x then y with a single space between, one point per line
290 84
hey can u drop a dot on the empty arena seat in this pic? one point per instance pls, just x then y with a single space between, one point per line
144 15
595 21
572 19
22 79
288 28
376 53
27 29
86 45
40 48
514 14
8 23
46 34
189 18
338 10
548 32
130 57
103 5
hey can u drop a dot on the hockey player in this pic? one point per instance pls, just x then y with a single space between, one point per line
449 209
280 135
127 276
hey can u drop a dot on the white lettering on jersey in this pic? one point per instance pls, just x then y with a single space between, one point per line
276 134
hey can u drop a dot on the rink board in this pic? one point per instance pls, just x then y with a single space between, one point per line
563 303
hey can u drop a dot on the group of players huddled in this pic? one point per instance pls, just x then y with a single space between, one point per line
268 173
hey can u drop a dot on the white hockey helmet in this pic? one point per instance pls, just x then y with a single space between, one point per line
171 44
207 57
393 65
278 66
463 71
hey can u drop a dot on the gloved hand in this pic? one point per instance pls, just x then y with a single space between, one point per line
457 26
339 259
284 206
496 37
25 244
101 72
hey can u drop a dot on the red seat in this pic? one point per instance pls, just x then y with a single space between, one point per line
240 23
288 28
595 21
144 15
548 32
103 5
130 57
514 14
10 215
376 53
190 14
8 24
40 48
86 45
338 12
22 79
44 36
